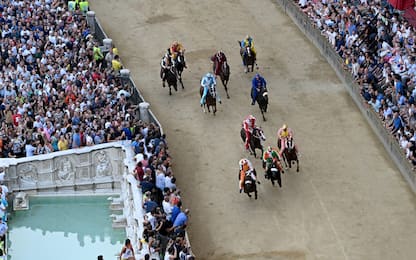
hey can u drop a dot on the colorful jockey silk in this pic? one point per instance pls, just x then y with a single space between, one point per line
207 81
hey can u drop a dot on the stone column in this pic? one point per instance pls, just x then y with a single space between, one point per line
144 111
108 44
91 21
125 75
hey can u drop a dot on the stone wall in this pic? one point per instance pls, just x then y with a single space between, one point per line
88 168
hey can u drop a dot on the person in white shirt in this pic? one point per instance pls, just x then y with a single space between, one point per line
167 207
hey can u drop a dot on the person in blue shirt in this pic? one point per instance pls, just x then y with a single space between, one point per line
182 219
175 211
207 81
257 83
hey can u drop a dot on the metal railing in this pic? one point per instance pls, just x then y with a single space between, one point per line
315 36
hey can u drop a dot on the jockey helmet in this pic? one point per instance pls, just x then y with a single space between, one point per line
247 37
284 126
242 162
269 148
209 75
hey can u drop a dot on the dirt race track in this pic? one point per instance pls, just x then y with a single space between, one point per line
348 201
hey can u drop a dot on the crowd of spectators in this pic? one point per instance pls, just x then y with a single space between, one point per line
165 220
58 90
378 47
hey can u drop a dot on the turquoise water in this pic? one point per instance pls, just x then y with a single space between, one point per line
64 228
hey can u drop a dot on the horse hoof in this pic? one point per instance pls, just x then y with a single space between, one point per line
228 97
297 170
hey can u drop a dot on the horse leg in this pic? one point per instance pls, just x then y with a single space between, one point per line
262 113
214 109
255 194
248 194
225 82
175 86
279 179
297 165
170 90
285 161
180 80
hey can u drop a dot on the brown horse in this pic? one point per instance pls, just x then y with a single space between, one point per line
210 99
249 184
248 57
290 153
225 76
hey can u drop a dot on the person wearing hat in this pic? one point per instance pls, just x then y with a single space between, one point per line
246 168
218 60
282 135
258 83
207 81
174 49
248 42
249 124
270 156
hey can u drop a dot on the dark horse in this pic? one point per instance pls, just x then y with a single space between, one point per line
255 141
263 100
180 65
249 58
273 172
225 76
210 99
249 184
172 79
289 153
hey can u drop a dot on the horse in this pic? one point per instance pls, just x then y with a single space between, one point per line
210 99
262 100
225 76
249 185
255 141
248 57
289 154
273 173
180 65
172 79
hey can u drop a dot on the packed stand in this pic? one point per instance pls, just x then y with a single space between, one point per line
165 220
378 47
58 90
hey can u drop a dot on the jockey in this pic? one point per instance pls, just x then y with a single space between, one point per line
270 156
207 81
246 168
165 65
174 49
283 134
257 83
249 124
248 42
218 59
